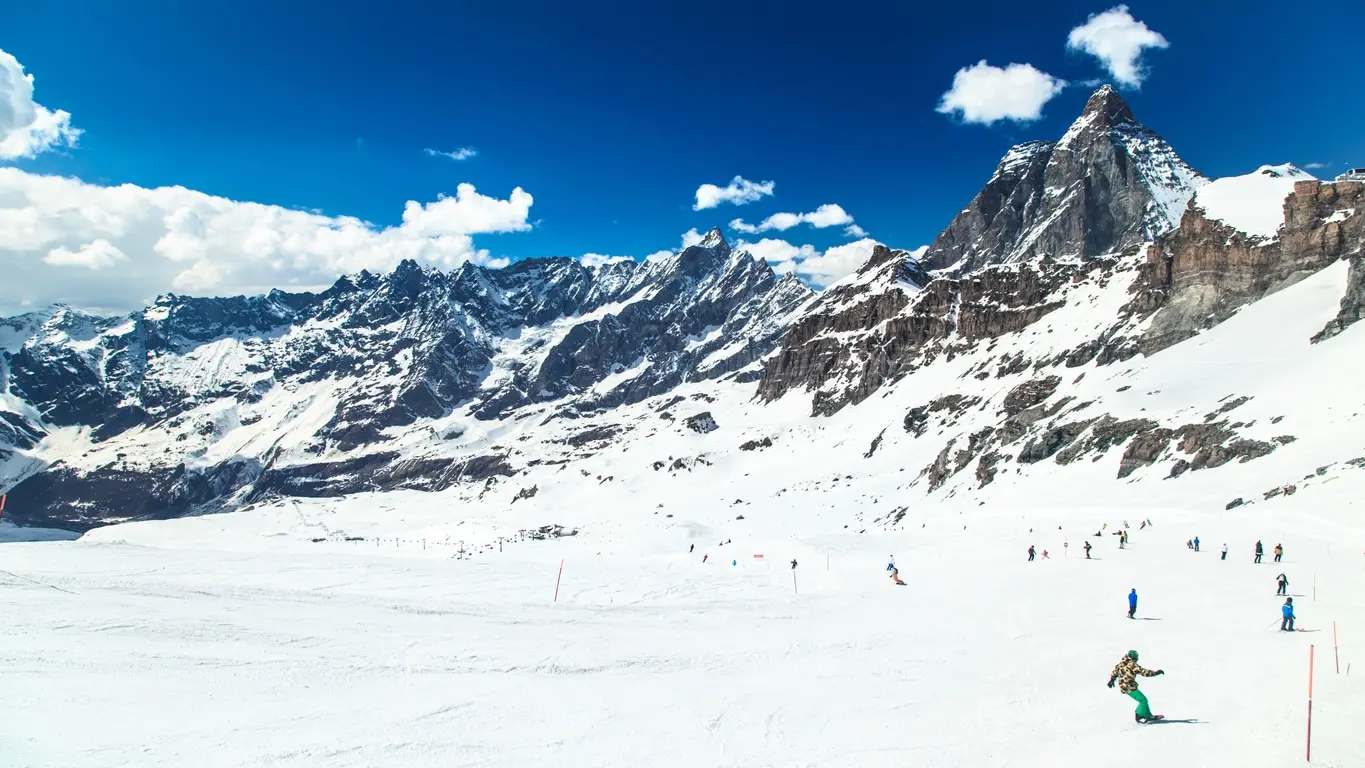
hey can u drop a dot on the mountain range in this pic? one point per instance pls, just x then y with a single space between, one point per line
1004 350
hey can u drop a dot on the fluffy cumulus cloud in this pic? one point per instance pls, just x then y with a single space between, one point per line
27 127
594 260
738 192
986 94
1117 40
114 248
815 267
463 153
828 215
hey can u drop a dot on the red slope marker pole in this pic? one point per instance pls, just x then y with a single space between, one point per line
557 578
2 505
1309 753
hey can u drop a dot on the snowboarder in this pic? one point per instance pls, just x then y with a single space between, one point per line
1196 543
1045 557
793 563
1087 550
1132 603
1126 673
1143 525
896 577
691 548
1279 552
1225 552
1259 551
1283 581
1287 615
1189 543
704 557
1030 553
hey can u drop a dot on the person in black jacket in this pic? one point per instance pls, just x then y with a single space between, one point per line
1259 551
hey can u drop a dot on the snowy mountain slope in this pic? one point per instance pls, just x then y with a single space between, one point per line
1107 185
194 399
1252 204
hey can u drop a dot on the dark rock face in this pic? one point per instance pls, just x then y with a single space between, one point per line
1352 304
393 350
701 423
1200 274
1030 393
1107 185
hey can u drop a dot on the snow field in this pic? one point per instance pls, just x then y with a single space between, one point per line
290 655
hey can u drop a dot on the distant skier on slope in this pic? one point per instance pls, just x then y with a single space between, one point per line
1225 552
1196 543
1030 553
1283 582
1132 602
1287 615
1126 673
1259 551
1279 552
690 548
1087 550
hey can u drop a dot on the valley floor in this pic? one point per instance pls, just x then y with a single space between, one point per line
131 647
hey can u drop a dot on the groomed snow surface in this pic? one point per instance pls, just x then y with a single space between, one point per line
120 654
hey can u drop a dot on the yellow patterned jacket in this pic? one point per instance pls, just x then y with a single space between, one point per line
1126 673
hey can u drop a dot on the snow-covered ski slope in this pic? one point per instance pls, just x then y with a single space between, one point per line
295 655
238 640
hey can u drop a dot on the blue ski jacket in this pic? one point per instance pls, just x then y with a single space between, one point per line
1132 599
1287 611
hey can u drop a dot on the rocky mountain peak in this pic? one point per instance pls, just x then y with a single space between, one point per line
1106 107
714 239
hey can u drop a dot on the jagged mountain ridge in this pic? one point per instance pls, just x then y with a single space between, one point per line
1012 338
385 352
1108 184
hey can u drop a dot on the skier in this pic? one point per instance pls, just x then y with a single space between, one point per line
692 547
896 577
1126 673
1196 543
1045 557
1279 552
1143 525
1132 602
793 563
1283 581
1287 614
704 557
1087 550
1030 553
1259 551
1225 552
1189 543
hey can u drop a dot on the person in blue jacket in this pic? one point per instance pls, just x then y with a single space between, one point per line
1132 603
1287 610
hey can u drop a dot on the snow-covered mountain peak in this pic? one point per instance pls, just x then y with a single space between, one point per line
714 239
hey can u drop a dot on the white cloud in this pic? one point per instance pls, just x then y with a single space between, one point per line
985 94
692 237
828 215
172 238
463 153
1117 40
26 127
1315 166
659 256
594 260
739 191
853 230
837 262
816 268
100 254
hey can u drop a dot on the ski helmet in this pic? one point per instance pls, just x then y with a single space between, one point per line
1133 655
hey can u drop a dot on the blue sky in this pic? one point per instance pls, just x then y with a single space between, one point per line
611 114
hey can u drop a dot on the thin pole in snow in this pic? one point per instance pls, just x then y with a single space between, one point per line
1336 656
1315 586
1308 754
557 578
794 590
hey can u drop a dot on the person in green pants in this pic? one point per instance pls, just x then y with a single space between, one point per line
1126 673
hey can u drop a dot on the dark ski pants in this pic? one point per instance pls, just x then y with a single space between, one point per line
1277 558
1224 557
1030 557
1087 554
1132 609
1283 590
1144 710
1258 558
1287 624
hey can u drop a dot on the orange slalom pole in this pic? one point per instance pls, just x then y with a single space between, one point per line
1309 752
557 578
